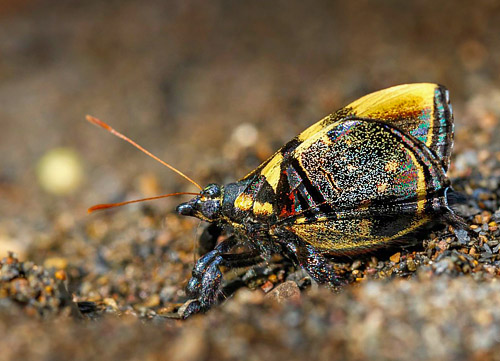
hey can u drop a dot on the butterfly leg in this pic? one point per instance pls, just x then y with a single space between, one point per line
205 283
315 264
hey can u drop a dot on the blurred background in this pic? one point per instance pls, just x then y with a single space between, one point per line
213 88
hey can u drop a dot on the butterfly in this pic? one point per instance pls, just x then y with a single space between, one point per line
362 178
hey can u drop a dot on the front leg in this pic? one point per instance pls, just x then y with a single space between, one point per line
204 286
208 238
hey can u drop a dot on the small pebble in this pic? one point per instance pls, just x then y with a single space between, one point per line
411 265
395 257
462 236
287 291
266 287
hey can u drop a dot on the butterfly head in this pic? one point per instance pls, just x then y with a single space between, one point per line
205 206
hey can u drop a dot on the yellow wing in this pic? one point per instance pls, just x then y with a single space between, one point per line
422 110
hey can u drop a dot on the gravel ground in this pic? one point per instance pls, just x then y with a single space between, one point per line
215 89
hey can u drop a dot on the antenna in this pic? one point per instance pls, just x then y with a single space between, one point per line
105 126
99 207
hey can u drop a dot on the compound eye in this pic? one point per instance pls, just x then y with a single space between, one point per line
212 190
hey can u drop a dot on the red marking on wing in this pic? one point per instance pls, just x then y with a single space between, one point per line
287 213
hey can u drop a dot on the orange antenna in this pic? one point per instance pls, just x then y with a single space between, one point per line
105 126
99 207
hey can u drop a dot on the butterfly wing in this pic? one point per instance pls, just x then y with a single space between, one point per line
356 184
374 166
354 163
421 110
